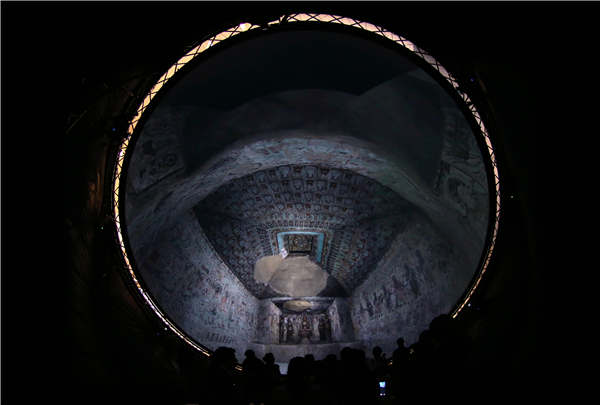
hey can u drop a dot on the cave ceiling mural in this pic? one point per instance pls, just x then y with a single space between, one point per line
342 220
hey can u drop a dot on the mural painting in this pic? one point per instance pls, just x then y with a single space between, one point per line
304 329
213 307
401 293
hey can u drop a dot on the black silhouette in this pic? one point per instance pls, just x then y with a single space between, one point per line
253 378
438 359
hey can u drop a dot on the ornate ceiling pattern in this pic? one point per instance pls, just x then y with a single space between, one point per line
356 216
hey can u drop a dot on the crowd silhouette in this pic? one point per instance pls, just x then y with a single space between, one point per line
426 370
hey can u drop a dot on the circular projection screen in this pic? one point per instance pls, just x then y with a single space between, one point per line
304 187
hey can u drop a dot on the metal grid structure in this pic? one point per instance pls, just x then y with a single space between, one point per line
293 18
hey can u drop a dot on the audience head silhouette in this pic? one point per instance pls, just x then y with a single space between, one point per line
353 377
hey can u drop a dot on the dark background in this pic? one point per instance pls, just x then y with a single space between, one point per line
70 326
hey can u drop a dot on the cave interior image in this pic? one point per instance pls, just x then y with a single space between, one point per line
298 187
319 190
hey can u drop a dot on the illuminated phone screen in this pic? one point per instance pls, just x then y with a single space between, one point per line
381 388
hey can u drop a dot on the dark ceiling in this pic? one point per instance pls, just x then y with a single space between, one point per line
287 61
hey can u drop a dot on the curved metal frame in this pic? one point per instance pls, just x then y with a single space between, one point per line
247 27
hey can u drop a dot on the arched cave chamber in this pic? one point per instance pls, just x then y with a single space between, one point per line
342 151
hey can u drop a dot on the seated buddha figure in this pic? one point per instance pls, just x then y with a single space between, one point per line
305 330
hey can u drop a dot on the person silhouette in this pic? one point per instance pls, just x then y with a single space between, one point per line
253 371
272 375
222 377
297 380
399 370
271 368
378 364
400 354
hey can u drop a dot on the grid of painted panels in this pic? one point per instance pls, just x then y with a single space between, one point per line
245 27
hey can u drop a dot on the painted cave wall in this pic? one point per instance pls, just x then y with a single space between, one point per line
341 321
201 295
267 330
420 277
